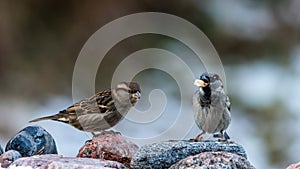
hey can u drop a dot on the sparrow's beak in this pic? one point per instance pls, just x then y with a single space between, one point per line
136 95
200 83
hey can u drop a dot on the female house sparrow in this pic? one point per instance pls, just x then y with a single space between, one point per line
211 106
102 110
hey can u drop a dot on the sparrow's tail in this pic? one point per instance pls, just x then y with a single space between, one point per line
53 117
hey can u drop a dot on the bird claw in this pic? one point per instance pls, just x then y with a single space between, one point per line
104 132
223 136
222 140
199 137
41 151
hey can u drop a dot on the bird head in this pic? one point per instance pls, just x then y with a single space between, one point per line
210 80
135 92
203 81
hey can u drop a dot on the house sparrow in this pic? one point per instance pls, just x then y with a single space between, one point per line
102 110
211 106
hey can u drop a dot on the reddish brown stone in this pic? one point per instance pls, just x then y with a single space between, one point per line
8 157
214 160
58 161
110 146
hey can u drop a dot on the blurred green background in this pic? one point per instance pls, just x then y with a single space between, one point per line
257 41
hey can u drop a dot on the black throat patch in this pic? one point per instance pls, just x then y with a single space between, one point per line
205 99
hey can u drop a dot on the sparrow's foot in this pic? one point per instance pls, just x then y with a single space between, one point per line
41 151
220 135
199 137
223 136
104 132
222 140
111 132
95 134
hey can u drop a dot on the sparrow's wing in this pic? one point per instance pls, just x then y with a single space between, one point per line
228 104
101 102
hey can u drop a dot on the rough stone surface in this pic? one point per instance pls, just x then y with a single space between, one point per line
1 150
213 160
60 162
32 140
164 154
110 146
8 157
294 166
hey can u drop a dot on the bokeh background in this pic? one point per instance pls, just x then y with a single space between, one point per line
257 41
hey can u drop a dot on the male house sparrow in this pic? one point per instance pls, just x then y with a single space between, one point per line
100 111
211 106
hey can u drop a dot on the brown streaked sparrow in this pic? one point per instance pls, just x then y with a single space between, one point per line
211 106
100 111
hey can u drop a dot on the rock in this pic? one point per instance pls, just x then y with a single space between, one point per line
109 145
1 150
164 154
294 166
58 161
8 157
32 140
213 160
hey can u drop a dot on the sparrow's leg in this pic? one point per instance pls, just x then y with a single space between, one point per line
94 134
41 151
224 137
104 132
219 135
199 137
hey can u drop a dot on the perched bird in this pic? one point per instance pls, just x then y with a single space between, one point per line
100 111
211 106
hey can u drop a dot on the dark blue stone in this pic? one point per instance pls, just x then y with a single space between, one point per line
32 140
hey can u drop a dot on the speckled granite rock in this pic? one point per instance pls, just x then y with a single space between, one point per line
8 157
1 150
294 166
32 140
164 154
110 146
213 160
55 161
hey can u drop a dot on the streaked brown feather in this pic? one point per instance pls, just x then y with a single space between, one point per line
100 103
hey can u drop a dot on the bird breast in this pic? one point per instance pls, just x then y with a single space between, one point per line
214 117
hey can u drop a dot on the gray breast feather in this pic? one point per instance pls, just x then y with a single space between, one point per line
212 118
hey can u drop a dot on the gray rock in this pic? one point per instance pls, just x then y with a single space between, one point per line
8 157
60 162
213 160
164 154
1 150
32 140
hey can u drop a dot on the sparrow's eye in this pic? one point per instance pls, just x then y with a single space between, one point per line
126 90
216 77
204 78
